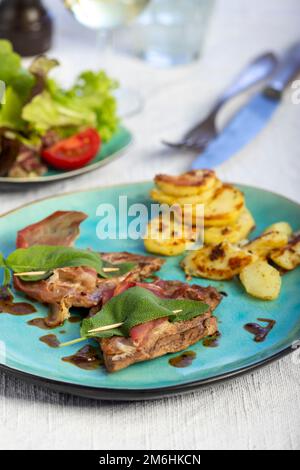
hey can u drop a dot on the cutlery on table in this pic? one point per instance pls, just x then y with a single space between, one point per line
255 72
253 117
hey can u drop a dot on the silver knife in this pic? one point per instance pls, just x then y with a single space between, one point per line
253 117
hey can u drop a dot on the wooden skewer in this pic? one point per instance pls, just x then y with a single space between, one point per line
110 270
41 273
31 273
106 327
116 325
101 328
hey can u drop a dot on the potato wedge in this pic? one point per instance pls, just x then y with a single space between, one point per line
261 280
219 262
234 233
281 227
288 257
167 238
263 245
191 183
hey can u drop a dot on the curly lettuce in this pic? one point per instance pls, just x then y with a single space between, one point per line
89 103
35 103
18 82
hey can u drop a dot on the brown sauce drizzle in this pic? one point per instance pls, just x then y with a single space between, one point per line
40 323
260 332
51 340
7 304
212 341
223 293
74 319
87 358
183 360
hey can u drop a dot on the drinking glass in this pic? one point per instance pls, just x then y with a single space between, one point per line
169 32
105 16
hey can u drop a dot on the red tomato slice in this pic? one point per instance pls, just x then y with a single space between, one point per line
74 152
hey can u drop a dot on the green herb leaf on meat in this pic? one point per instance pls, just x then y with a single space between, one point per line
6 271
46 258
136 306
120 269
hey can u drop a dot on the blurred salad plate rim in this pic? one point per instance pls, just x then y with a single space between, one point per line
98 163
49 133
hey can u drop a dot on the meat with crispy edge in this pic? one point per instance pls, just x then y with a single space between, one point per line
60 228
74 286
82 287
160 337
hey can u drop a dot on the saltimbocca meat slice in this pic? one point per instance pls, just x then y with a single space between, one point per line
159 337
82 287
60 228
74 286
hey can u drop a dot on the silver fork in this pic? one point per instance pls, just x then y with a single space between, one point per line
200 135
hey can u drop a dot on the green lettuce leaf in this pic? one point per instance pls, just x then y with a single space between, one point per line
89 103
10 112
95 92
136 306
46 112
12 73
18 81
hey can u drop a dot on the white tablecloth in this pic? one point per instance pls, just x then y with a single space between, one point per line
258 411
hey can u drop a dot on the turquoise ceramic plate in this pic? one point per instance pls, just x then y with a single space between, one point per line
109 151
29 358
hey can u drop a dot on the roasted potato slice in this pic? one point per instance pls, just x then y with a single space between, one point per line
288 257
261 280
219 262
223 209
163 198
167 237
234 233
281 227
263 245
188 184
226 206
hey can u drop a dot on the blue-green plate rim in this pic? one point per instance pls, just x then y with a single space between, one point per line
111 394
6 180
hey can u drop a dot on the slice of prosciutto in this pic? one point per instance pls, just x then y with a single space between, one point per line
82 287
75 286
166 290
159 337
60 228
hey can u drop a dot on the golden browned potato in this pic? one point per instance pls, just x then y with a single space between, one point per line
261 280
191 183
263 245
223 209
234 233
220 262
167 237
163 198
288 257
281 227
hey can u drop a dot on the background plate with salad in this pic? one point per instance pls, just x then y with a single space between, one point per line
49 133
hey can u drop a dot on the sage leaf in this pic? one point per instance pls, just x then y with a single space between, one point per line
6 271
47 258
136 306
